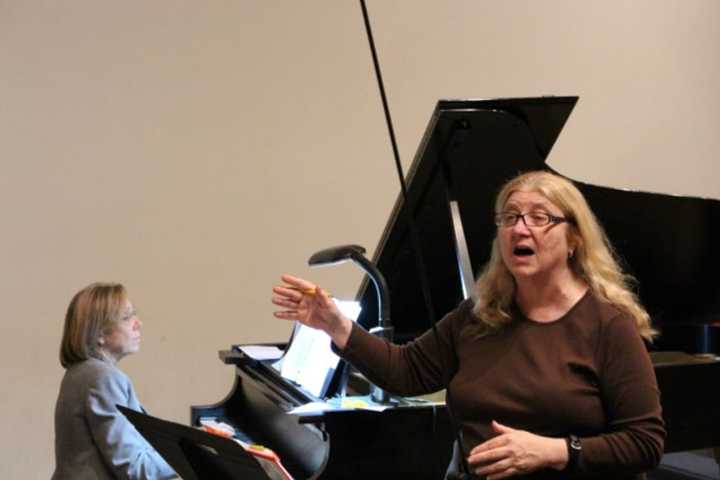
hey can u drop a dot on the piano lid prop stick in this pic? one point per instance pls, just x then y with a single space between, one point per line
414 235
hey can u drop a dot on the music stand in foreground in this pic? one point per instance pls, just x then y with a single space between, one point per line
195 454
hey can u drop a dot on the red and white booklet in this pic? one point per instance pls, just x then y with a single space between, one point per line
268 460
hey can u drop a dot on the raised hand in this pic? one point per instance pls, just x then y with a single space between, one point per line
516 452
312 306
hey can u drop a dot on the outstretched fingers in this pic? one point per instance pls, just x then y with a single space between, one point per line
298 283
287 314
282 301
305 302
290 294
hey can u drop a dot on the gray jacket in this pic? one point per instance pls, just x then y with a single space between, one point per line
93 440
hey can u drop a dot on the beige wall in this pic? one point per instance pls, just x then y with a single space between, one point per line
196 150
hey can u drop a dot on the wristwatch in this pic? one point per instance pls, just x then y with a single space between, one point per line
574 448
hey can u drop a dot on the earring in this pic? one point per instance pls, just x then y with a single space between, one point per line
570 254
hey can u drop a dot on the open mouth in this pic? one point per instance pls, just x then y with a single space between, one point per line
522 251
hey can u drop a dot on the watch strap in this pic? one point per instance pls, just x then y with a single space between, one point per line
574 448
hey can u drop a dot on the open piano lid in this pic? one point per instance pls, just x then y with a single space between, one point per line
469 150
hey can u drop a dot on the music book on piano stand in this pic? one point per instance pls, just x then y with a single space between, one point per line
198 455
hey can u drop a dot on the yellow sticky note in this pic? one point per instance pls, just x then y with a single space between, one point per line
353 403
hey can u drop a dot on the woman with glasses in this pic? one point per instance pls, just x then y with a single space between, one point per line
93 440
548 372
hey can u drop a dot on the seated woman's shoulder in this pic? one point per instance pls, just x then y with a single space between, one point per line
94 371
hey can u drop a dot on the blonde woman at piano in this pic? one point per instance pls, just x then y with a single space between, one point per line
547 370
93 440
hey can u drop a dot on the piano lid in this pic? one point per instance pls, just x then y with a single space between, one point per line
469 150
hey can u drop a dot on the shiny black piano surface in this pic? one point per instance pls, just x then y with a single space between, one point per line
470 148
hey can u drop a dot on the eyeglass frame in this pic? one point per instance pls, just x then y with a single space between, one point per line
128 315
551 219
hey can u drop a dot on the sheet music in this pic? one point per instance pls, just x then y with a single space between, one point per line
309 360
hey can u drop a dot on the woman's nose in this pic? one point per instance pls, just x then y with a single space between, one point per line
520 226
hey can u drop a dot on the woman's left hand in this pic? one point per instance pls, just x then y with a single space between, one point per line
516 452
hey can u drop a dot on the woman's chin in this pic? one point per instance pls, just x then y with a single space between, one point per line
522 270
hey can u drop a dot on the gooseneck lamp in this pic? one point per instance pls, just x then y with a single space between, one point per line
356 254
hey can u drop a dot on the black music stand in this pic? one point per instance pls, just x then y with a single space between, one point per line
195 454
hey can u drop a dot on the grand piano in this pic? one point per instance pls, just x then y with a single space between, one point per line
469 149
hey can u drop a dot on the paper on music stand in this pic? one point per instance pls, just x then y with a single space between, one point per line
309 360
261 352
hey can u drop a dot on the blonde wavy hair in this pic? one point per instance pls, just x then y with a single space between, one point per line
594 259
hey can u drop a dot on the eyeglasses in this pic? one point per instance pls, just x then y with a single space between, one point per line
128 315
531 219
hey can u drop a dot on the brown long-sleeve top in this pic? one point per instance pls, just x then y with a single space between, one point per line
587 373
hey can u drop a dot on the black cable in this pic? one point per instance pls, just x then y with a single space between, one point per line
415 237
